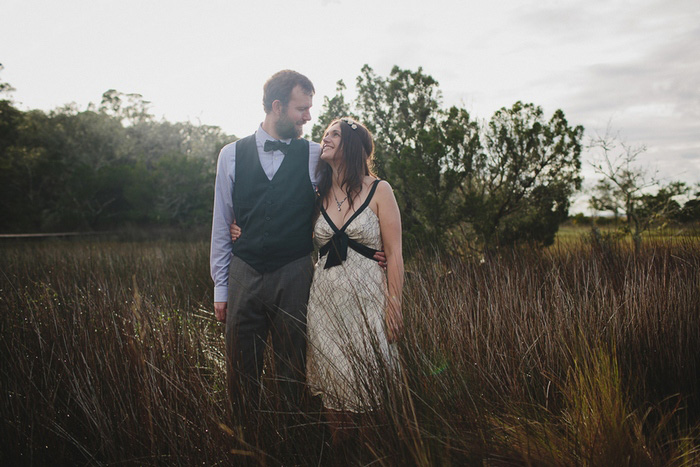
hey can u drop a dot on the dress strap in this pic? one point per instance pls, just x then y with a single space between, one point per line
364 205
355 214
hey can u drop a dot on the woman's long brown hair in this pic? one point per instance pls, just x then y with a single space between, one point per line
357 150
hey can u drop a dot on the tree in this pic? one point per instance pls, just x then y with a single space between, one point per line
10 120
426 153
662 207
13 159
102 167
449 184
185 190
333 108
128 108
5 88
530 170
691 209
68 157
629 187
606 197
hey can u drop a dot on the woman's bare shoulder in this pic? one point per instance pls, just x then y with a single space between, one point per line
384 195
369 180
384 188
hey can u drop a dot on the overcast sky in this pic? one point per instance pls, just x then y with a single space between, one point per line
635 64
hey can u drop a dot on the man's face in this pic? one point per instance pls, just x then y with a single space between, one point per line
295 115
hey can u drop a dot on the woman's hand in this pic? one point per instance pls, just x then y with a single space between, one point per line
235 231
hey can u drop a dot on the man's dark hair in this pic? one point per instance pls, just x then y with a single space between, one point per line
279 87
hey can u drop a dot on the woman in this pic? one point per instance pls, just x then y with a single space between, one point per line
354 313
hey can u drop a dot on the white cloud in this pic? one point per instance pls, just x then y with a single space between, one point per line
634 63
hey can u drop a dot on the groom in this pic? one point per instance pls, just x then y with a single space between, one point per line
265 182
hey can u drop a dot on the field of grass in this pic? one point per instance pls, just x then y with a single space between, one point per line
584 354
571 232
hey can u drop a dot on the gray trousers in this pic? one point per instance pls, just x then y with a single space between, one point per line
265 304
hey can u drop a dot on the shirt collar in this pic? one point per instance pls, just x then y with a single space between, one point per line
261 136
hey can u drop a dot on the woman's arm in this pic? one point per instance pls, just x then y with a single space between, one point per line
390 227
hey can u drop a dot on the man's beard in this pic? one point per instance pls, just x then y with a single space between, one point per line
286 127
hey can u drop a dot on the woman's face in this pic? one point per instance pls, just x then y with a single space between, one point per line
331 143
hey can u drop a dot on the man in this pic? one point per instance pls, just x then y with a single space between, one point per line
265 182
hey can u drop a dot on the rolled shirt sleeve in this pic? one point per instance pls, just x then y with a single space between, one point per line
314 157
221 245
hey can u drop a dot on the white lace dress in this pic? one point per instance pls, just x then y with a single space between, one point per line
349 358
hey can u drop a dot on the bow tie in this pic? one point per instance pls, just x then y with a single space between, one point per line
276 146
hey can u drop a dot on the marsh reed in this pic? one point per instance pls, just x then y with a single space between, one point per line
579 355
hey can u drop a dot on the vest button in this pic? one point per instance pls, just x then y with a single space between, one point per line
267 218
266 234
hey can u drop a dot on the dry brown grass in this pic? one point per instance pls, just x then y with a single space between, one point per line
580 355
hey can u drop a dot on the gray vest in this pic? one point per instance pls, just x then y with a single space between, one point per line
275 215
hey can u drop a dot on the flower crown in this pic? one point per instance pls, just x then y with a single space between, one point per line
350 122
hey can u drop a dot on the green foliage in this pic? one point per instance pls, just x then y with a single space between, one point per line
606 198
184 190
530 171
103 167
5 87
127 108
425 152
12 159
625 188
691 209
458 181
663 206
333 108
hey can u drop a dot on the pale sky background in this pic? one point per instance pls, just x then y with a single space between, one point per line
635 64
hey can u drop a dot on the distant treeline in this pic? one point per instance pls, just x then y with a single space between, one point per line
476 185
461 183
106 167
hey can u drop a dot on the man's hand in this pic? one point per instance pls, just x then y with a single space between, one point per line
220 309
235 231
379 257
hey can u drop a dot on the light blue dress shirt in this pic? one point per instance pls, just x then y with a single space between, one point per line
221 245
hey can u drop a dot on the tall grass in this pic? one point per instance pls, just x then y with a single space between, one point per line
584 355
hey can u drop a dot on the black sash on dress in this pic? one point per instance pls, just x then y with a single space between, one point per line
337 246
